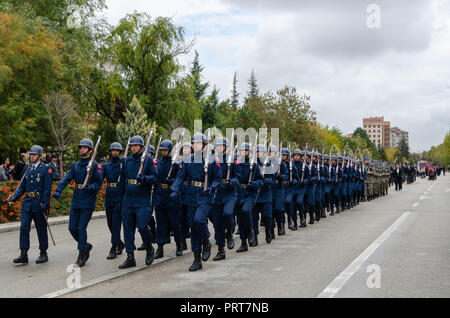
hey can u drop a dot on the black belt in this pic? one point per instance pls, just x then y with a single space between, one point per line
242 186
32 194
197 184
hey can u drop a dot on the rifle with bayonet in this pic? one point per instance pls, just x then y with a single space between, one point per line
252 162
156 158
176 153
230 156
304 162
91 162
124 156
208 154
145 152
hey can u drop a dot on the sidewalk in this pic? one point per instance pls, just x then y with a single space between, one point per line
15 226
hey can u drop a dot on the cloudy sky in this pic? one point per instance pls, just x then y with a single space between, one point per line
325 49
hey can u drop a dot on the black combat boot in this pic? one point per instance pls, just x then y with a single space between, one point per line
159 251
168 238
254 242
179 250
311 216
281 230
317 213
129 262
230 241
206 250
22 259
290 223
294 223
197 264
120 248
150 255
143 247
251 238
183 244
43 258
323 213
332 209
81 260
220 254
272 232
88 250
268 235
112 252
243 247
302 219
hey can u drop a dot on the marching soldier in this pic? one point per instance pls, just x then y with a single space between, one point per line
247 188
84 198
327 185
168 214
193 171
186 199
290 188
263 202
278 191
111 171
334 193
136 209
36 184
225 198
299 191
317 184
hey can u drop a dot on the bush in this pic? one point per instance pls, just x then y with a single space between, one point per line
11 213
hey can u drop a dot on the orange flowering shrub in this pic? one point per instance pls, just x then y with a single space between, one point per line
11 213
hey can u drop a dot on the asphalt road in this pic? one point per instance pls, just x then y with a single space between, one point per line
394 246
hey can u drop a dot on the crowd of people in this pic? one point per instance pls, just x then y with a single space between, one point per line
239 189
15 172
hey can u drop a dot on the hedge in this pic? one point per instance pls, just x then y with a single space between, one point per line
11 213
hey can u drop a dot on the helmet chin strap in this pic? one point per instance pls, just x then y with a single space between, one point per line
85 154
37 159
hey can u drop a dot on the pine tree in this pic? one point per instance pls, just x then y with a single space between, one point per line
254 91
210 114
196 70
135 122
234 93
403 149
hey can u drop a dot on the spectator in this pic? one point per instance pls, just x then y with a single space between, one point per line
19 168
55 167
4 170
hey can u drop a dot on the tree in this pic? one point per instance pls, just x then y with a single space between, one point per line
234 92
196 73
403 149
210 113
63 117
253 86
145 52
135 123
30 64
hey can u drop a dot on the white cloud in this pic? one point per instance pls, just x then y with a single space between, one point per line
324 49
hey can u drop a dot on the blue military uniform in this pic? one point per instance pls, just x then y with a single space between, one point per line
300 191
168 212
136 209
263 203
113 200
36 185
290 189
83 200
247 190
310 190
193 172
224 203
281 180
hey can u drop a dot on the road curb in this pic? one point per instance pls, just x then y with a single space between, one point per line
15 226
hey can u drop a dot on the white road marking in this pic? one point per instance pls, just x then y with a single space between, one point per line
422 197
105 278
415 204
333 288
425 193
